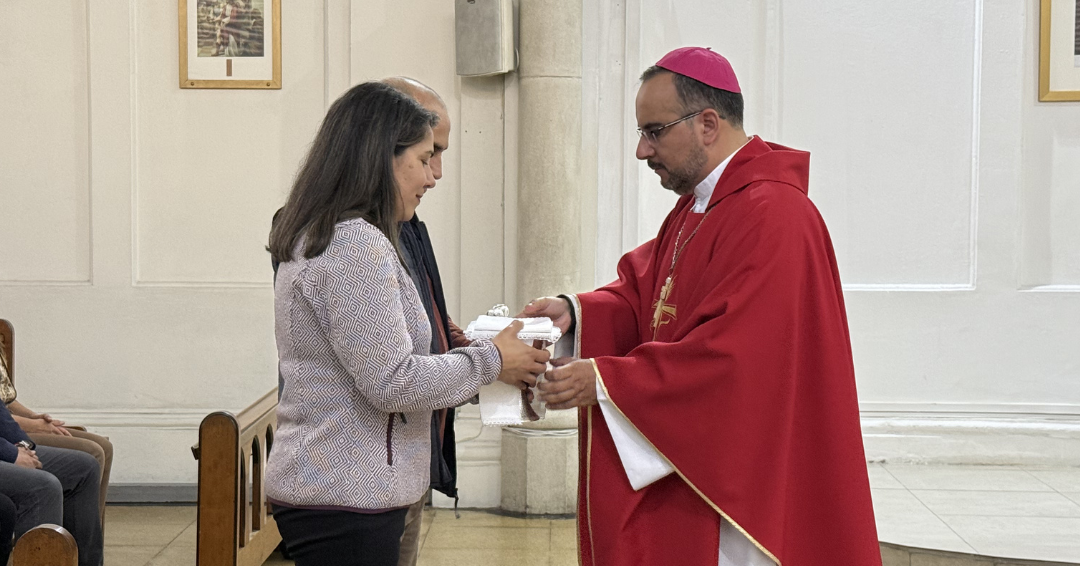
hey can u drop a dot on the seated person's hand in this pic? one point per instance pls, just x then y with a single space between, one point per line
28 459
48 418
40 424
521 363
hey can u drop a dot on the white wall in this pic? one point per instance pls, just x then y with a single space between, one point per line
133 214
951 194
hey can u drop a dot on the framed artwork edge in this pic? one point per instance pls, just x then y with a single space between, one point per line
272 84
1045 94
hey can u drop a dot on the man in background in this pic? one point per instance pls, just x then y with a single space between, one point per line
445 335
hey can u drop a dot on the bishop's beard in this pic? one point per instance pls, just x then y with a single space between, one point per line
681 177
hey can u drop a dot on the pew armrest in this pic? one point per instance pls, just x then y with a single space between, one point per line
46 545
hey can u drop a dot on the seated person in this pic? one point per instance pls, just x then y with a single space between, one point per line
44 430
51 485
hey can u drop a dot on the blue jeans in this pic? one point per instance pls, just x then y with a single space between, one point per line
64 492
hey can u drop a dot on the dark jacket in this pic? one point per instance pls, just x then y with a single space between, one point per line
10 434
420 259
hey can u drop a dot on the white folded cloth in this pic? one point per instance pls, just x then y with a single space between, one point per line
535 328
502 404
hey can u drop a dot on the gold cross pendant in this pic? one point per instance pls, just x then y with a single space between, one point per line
662 308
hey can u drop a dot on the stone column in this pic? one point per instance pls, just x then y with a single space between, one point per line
539 460
549 142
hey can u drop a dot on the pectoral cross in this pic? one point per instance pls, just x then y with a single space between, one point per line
662 308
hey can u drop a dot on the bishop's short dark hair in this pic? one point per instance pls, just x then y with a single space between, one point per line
695 95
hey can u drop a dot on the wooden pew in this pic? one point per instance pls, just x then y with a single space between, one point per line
46 545
235 526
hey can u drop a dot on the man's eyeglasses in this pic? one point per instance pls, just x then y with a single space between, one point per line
652 134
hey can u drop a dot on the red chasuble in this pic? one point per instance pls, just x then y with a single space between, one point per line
745 385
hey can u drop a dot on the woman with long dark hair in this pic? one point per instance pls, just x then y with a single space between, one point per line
352 446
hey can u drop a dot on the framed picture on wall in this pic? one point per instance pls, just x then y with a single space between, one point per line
230 44
1059 50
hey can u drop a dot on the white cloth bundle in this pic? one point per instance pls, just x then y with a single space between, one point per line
535 328
502 404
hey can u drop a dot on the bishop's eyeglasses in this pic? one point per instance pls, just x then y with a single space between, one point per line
652 134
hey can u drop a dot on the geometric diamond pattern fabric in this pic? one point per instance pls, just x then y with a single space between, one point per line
353 343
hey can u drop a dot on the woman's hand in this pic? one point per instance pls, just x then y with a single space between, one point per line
42 426
521 363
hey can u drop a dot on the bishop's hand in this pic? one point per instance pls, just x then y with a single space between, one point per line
572 383
555 308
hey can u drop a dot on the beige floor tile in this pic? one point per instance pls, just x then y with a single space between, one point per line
564 523
1075 496
564 558
1061 479
481 557
998 503
188 537
974 478
445 517
564 539
174 556
428 516
880 478
1035 538
919 559
143 534
903 519
895 557
130 555
275 559
530 539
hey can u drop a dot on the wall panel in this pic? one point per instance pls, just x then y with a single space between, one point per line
885 97
1051 204
44 117
213 165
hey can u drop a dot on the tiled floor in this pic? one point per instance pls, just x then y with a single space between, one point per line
1031 513
165 536
1009 512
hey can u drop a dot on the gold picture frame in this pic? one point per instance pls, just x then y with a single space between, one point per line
1059 50
230 44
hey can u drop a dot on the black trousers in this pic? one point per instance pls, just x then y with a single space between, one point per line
341 538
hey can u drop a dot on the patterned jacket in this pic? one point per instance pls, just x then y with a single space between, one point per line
355 411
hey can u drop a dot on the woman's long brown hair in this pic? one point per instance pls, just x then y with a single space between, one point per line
349 171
